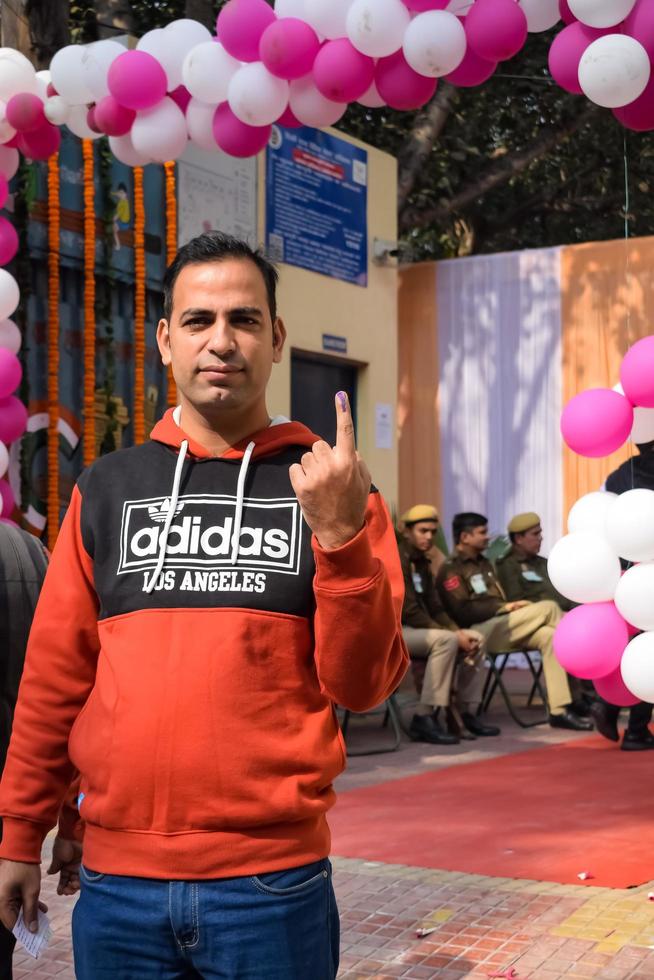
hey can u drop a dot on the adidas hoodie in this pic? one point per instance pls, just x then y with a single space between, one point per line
188 649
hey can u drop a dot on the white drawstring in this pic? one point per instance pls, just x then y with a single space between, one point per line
163 539
240 493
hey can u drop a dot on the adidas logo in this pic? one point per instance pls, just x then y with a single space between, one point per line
160 514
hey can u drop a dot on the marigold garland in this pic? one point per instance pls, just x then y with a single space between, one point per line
89 303
139 308
54 225
171 248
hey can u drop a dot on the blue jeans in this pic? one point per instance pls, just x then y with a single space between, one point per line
281 925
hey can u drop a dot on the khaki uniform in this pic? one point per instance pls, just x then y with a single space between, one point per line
430 634
473 597
526 577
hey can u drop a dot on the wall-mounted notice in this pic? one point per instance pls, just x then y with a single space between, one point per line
216 192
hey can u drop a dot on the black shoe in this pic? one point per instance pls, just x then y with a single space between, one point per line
455 725
637 741
423 728
606 721
477 727
581 707
571 721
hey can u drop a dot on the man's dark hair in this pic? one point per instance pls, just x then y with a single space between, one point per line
466 522
214 246
645 447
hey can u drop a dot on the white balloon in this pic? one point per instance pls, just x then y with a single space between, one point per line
643 427
327 17
614 70
7 132
43 79
97 60
637 666
584 568
16 74
199 122
4 462
376 27
179 38
77 123
541 14
10 336
435 43
68 77
123 150
589 512
633 596
630 525
9 294
160 132
207 71
57 110
600 13
290 8
310 107
372 99
255 96
9 160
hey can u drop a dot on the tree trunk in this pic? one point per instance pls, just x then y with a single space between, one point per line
201 10
36 28
114 17
427 128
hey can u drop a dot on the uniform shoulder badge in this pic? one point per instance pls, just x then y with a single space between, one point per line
452 583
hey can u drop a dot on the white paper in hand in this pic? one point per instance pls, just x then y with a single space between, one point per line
34 942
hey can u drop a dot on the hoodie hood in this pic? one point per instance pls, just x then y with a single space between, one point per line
277 436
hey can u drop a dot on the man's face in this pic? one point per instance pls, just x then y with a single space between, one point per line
421 535
221 340
476 538
531 540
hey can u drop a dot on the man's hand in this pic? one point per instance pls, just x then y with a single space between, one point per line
467 641
66 859
332 485
20 885
518 604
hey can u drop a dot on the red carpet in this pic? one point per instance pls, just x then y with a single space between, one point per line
546 814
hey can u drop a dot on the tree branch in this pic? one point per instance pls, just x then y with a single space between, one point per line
426 130
504 170
113 16
201 10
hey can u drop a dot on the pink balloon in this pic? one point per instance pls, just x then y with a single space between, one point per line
590 640
400 86
137 80
7 520
640 24
8 247
12 143
25 112
614 690
11 372
636 373
235 137
13 419
91 120
419 6
597 422
288 48
341 72
565 54
639 114
240 27
289 119
496 29
7 497
113 118
473 70
40 144
181 96
566 14
4 190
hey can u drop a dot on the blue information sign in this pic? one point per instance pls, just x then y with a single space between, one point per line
317 203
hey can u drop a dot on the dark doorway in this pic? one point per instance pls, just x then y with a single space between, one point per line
314 382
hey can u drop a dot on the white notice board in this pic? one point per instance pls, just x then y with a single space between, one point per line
216 192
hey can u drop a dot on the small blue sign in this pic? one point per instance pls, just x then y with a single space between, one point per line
333 343
317 203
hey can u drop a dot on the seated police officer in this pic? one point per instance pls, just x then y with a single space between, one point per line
473 596
431 635
523 570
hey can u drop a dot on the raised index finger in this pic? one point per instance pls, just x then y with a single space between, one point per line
345 441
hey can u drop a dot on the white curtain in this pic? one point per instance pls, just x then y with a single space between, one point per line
499 346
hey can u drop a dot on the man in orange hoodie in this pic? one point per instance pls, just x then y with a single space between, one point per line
212 595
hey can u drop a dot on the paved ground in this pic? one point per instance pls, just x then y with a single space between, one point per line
483 927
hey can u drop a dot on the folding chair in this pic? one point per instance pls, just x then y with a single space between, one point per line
392 716
495 680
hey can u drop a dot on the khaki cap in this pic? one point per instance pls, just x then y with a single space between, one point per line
421 512
523 522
